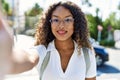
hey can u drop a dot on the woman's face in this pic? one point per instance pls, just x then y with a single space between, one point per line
62 23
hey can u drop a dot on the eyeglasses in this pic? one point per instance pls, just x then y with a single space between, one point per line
66 21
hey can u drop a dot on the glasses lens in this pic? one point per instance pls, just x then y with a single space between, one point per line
66 21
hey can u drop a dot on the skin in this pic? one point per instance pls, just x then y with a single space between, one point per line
62 32
13 60
5 60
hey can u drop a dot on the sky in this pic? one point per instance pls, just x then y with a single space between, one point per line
106 6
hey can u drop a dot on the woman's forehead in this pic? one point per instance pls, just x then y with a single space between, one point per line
61 12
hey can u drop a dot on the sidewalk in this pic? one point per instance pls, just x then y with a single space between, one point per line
33 75
109 76
29 75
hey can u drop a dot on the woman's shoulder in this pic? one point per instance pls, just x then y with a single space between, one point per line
41 49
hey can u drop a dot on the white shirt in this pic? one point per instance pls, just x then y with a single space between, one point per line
76 69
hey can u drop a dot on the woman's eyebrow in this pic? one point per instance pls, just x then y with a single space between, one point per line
69 16
65 16
55 16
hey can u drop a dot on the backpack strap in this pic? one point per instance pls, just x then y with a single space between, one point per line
87 58
44 64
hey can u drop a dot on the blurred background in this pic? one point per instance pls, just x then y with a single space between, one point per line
103 22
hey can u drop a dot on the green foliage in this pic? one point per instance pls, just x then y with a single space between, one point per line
93 22
107 43
92 25
97 11
2 1
112 21
32 16
36 10
30 22
86 2
119 6
6 7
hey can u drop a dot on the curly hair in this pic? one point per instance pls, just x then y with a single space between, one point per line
44 34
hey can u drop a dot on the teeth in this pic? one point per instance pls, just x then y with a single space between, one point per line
61 32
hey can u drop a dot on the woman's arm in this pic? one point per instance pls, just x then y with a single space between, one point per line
5 48
23 61
17 60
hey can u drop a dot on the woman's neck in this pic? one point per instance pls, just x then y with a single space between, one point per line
64 45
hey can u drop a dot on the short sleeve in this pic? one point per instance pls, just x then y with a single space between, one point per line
41 50
92 70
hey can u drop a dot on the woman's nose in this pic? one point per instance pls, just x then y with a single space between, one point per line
61 25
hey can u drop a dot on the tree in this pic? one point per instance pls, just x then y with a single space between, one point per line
92 25
2 1
119 6
86 2
36 10
32 16
93 22
6 7
115 23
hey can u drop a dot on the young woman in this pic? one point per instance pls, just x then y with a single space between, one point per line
62 31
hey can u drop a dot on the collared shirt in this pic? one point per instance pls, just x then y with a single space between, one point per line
76 68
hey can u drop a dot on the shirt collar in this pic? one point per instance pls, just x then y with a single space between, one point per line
51 45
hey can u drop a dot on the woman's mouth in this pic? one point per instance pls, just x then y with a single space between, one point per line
61 32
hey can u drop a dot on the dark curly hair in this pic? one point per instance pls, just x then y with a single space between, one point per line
44 34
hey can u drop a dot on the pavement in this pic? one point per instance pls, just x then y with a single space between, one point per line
109 76
33 75
29 75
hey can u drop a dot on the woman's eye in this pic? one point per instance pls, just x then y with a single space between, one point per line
55 20
68 20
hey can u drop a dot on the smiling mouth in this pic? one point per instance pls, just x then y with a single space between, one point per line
61 32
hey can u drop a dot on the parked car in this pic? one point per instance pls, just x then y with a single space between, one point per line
101 53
